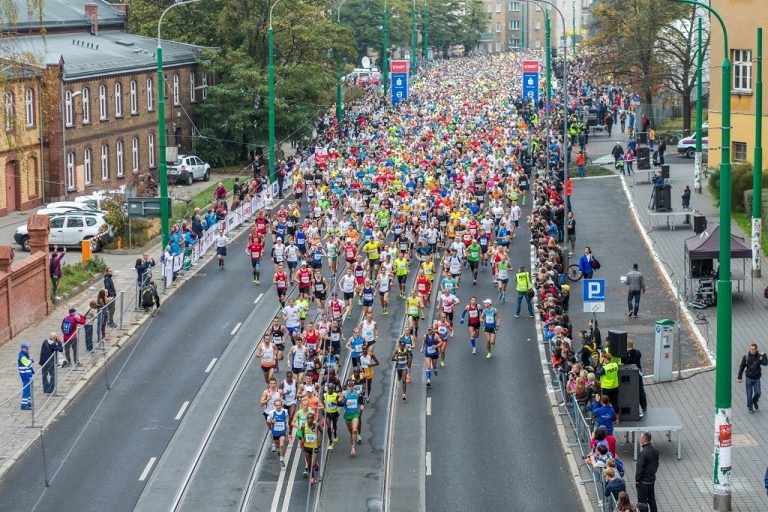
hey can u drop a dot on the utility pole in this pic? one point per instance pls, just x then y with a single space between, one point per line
757 165
385 53
547 31
425 35
573 35
697 170
414 39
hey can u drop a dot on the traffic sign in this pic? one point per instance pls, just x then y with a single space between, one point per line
145 206
594 307
399 77
594 290
531 80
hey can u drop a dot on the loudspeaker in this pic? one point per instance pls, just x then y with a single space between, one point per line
617 343
662 198
699 224
629 392
643 158
665 171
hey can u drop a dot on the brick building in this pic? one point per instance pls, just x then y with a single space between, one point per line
100 122
512 25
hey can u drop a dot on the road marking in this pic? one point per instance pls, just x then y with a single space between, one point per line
210 365
283 471
258 298
182 410
429 406
429 463
236 328
291 480
147 469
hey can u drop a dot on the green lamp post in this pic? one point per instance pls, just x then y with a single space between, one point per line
339 93
757 166
414 38
425 34
697 166
385 53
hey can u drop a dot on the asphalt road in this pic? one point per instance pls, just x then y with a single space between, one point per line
491 435
97 450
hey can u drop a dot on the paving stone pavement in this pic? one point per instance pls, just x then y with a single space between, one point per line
687 484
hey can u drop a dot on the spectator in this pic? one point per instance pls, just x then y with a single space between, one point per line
635 286
614 484
608 371
645 473
48 356
602 437
623 504
55 268
634 357
90 322
617 151
101 308
586 263
604 414
751 362
629 160
220 192
69 333
109 285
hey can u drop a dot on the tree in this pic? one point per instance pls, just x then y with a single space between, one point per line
626 40
455 22
677 50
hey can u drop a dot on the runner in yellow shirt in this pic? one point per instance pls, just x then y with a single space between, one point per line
401 271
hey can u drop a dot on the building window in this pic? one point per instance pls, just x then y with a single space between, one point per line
514 6
86 97
537 44
192 91
87 166
103 102
514 24
120 160
134 98
135 154
68 108
742 70
205 86
9 111
537 25
29 107
150 96
514 42
176 100
498 47
498 6
151 146
498 27
104 162
70 171
118 100
739 151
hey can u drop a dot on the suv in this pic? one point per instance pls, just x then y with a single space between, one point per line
68 229
188 168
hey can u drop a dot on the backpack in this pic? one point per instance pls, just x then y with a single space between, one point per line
66 326
147 297
619 467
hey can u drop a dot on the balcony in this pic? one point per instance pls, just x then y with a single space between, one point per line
486 36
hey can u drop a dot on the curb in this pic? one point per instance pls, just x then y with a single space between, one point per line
573 460
118 344
686 313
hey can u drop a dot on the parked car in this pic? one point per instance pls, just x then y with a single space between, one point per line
687 145
188 168
68 229
363 77
65 206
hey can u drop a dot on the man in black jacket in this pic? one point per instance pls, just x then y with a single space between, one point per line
752 363
634 357
109 285
645 474
48 361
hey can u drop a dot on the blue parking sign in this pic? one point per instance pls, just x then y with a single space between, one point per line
594 290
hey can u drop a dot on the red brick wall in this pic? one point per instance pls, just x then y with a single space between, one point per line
23 295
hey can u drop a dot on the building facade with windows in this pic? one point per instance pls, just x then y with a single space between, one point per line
512 25
100 130
742 17
20 138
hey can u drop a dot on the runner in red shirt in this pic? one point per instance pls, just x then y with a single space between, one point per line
280 280
255 249
423 286
303 276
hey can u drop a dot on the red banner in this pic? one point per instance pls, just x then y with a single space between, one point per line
398 66
530 66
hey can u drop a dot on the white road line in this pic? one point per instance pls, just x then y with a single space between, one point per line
283 471
147 469
233 331
291 480
210 365
256 301
429 463
429 406
182 410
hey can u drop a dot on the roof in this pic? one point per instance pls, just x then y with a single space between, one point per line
59 14
106 53
701 247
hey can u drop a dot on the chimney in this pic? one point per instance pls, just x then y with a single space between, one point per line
92 12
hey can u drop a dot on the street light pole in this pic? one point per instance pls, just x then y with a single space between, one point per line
271 71
162 175
757 165
697 166
414 38
385 53
339 93
425 35
548 35
721 478
573 35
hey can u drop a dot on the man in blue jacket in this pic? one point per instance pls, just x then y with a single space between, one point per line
604 413
26 372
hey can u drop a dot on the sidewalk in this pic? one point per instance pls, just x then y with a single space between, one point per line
687 484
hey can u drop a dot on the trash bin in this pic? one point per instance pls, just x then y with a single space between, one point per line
85 247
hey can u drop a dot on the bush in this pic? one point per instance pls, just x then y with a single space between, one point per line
741 180
141 230
74 275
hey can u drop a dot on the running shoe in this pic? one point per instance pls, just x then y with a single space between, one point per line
442 363
429 384
359 439
330 446
274 449
434 370
404 399
306 473
336 438
474 350
255 281
490 355
408 379
312 481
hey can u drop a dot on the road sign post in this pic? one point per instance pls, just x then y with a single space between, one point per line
399 76
531 80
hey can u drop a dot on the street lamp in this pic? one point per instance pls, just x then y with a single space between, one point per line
697 171
757 164
722 439
414 38
339 94
163 171
385 53
424 36
271 72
